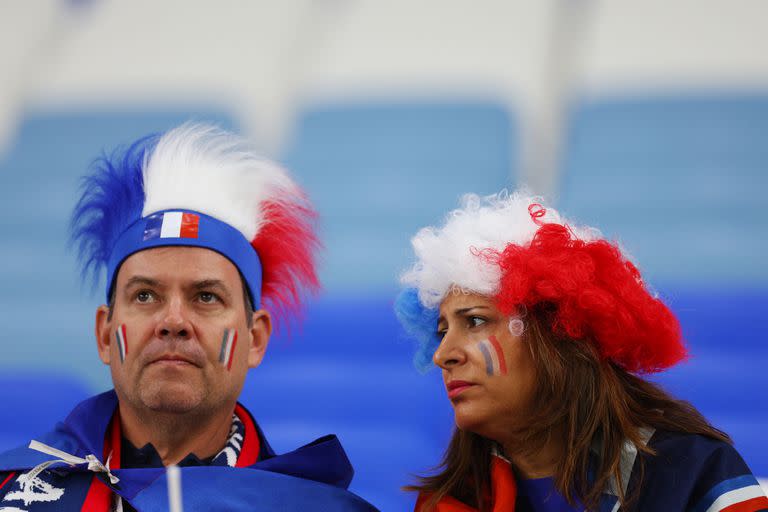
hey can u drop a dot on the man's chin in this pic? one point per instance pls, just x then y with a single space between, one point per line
173 399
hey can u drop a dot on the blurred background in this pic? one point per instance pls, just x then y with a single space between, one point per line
646 119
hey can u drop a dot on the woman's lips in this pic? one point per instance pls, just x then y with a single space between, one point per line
456 387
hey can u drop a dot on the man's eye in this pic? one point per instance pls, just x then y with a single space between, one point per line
208 297
145 297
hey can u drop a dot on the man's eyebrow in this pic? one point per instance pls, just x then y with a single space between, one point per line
141 280
210 283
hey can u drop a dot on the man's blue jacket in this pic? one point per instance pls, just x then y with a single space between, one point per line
313 477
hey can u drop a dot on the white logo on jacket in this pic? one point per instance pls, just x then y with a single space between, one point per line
33 490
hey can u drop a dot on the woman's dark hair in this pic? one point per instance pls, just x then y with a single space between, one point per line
586 397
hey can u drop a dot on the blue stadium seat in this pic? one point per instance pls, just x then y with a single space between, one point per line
347 370
34 400
378 171
680 181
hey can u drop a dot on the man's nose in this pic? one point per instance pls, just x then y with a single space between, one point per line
174 320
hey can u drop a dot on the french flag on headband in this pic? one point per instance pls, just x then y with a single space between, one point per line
228 347
172 225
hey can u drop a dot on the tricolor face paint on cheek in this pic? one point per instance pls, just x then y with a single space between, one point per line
493 355
122 342
228 343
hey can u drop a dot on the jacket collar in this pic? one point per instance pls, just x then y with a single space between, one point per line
83 432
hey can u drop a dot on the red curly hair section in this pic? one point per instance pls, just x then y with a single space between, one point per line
286 245
598 295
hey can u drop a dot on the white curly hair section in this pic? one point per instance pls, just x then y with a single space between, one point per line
447 257
204 168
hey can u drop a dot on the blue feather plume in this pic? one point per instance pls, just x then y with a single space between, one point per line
112 198
420 323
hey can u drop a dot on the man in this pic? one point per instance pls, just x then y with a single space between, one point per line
204 244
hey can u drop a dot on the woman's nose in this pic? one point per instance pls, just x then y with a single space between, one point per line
450 352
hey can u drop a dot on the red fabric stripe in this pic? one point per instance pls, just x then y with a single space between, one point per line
112 443
232 351
251 444
7 478
759 503
99 497
503 493
189 225
499 355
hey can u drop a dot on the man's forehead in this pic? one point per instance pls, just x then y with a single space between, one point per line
187 265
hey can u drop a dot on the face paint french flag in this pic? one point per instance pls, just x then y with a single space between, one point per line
122 342
172 225
228 347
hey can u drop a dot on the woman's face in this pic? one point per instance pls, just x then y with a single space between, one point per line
488 372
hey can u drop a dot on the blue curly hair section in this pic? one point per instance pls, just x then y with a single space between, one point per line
420 323
112 197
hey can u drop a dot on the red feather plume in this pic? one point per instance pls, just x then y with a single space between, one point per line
286 245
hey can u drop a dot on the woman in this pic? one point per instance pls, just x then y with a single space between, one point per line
541 329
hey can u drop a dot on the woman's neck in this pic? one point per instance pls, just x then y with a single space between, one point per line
536 464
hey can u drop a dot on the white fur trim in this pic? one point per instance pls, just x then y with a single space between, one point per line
446 256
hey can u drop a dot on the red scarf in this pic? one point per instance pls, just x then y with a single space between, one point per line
99 497
503 493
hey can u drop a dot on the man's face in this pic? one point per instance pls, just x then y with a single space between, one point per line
178 339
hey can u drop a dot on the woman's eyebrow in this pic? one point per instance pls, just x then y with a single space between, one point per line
464 311
461 311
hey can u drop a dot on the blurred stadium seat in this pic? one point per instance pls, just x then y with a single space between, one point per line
34 401
378 171
681 182
347 371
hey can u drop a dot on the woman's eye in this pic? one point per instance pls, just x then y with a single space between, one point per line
144 297
476 321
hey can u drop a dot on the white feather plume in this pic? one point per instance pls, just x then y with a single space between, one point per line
203 168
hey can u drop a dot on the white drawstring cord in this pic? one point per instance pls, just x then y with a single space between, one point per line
94 464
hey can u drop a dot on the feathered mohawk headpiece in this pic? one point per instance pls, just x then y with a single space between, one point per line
513 249
200 186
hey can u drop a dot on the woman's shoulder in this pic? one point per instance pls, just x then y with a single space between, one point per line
671 446
698 469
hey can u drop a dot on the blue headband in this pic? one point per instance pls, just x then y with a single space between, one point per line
191 229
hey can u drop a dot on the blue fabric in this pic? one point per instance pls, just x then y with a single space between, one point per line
687 472
316 474
212 234
540 495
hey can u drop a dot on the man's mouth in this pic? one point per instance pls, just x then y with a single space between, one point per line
173 360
